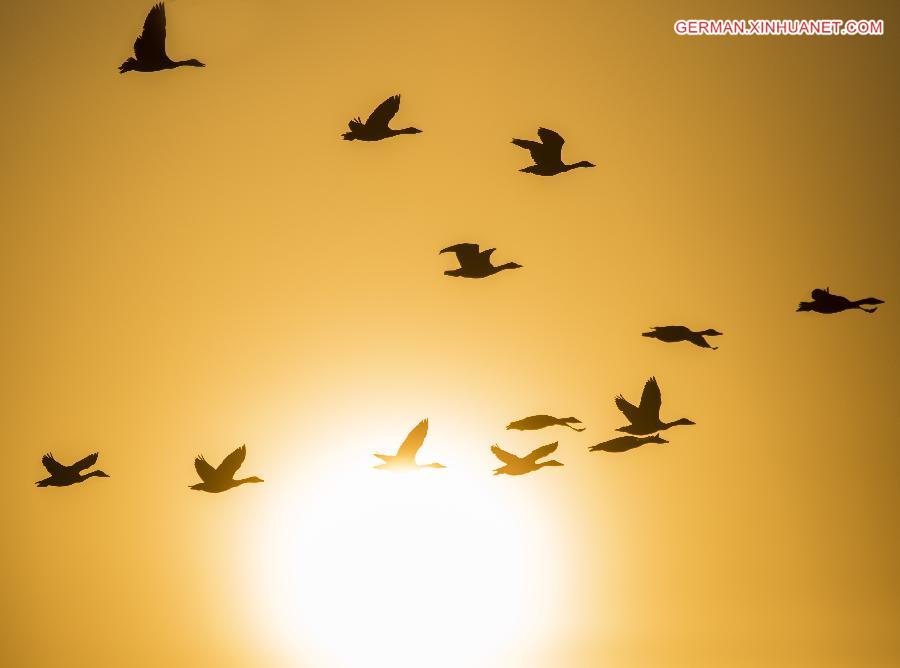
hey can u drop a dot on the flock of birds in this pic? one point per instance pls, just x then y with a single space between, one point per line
644 421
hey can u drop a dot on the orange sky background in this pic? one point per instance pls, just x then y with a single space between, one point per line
193 260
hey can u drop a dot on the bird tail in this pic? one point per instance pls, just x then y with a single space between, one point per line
127 66
349 136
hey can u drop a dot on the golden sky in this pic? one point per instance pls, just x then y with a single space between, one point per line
193 260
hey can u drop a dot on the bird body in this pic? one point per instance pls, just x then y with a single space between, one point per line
475 263
547 154
405 459
625 443
825 302
63 476
376 126
540 421
150 47
221 479
515 465
676 333
644 418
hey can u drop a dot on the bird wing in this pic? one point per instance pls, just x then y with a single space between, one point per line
414 441
543 451
651 398
631 412
151 45
384 112
204 469
503 455
232 462
551 139
87 462
53 467
466 254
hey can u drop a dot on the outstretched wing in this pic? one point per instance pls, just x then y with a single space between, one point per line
651 398
232 462
631 412
204 469
53 467
466 254
151 45
543 451
87 462
414 441
503 455
384 112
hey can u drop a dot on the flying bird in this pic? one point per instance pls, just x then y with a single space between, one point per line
513 465
405 459
221 479
626 443
474 263
376 126
63 476
547 154
150 47
825 302
540 421
644 419
676 333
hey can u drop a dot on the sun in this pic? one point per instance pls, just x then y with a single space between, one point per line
428 568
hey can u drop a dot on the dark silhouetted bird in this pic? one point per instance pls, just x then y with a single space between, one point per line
645 418
376 126
221 479
547 154
474 263
540 421
63 476
513 465
675 333
405 459
625 443
150 47
825 302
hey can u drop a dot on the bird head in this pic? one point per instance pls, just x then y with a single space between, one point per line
101 474
551 462
193 62
656 438
253 478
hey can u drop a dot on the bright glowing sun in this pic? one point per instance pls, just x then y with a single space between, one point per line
428 568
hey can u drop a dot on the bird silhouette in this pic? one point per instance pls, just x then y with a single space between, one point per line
221 479
547 154
150 47
644 419
474 263
63 476
540 421
376 126
405 459
625 443
675 333
514 465
825 302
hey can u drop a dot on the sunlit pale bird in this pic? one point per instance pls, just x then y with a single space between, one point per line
376 126
540 421
547 154
676 333
645 417
475 263
63 476
625 443
825 302
514 465
405 459
150 47
221 479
